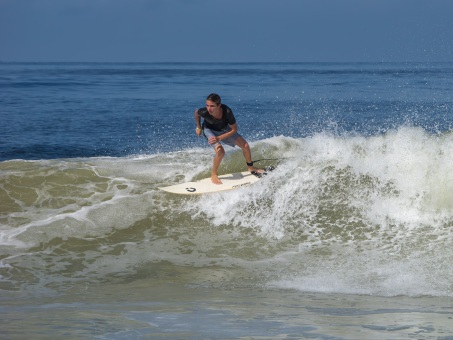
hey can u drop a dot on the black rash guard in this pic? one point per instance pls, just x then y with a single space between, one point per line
217 124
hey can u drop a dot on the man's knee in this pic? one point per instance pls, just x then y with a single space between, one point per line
219 150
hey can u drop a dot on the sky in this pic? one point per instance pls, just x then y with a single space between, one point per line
226 30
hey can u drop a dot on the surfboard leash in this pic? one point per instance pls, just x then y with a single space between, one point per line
271 159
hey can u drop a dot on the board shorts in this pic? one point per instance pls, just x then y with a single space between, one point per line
231 141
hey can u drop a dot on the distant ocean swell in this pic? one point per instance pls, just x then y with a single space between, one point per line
340 214
61 110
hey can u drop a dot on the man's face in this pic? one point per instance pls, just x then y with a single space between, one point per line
212 107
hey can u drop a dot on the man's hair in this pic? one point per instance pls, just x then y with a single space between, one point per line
214 97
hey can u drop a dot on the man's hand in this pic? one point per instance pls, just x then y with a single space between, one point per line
212 140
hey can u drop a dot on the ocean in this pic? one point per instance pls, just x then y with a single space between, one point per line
350 237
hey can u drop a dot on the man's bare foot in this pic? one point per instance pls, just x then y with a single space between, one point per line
215 179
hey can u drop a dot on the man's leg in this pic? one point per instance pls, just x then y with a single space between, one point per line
219 153
242 143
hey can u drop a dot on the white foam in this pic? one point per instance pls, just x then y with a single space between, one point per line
386 201
350 214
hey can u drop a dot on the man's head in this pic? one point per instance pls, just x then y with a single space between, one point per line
213 102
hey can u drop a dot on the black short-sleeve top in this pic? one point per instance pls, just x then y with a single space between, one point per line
217 124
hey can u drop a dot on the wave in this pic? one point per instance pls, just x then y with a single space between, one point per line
342 214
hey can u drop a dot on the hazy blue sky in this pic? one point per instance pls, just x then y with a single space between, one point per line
226 30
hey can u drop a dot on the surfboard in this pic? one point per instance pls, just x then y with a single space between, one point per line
229 182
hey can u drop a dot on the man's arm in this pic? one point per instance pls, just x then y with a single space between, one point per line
214 139
198 129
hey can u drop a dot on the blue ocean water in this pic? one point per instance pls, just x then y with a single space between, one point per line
60 110
348 238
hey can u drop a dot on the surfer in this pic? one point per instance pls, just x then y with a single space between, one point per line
219 125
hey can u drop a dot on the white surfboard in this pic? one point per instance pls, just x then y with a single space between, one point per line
204 186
